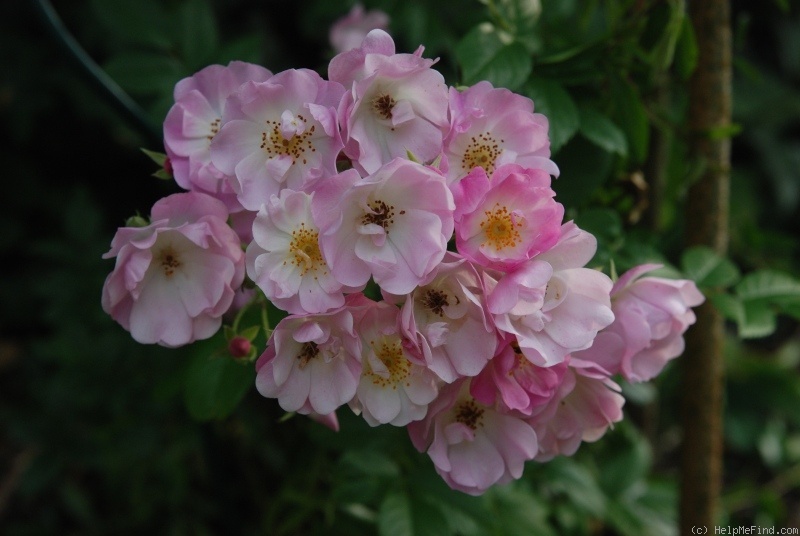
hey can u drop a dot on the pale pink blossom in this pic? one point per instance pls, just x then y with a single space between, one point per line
473 446
393 388
285 260
195 119
393 225
281 133
491 127
503 221
312 362
175 278
515 383
395 104
586 406
651 315
445 322
552 304
349 31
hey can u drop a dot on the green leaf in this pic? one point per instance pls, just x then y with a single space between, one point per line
702 265
140 22
515 512
729 306
770 286
158 158
567 476
552 100
145 73
686 51
214 387
403 515
664 51
197 32
602 131
486 54
630 114
585 168
759 320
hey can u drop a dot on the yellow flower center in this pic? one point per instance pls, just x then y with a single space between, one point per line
500 228
390 353
482 151
304 250
273 142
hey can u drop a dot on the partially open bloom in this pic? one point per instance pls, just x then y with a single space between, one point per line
552 304
281 133
586 406
393 225
491 127
312 362
473 446
514 383
194 120
175 278
349 31
395 103
285 261
445 322
392 389
651 315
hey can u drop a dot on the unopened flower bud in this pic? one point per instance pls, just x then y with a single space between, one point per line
239 347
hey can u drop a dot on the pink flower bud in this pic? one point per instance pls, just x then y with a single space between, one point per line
239 347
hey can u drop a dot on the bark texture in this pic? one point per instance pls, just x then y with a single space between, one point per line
706 224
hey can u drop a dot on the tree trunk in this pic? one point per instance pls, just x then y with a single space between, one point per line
706 224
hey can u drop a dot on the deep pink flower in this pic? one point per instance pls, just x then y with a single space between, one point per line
445 323
349 31
175 278
395 104
491 127
312 362
508 219
651 315
277 134
195 119
584 408
393 225
473 446
515 383
285 260
393 389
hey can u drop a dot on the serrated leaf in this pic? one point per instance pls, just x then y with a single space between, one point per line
702 265
552 100
602 131
768 285
214 387
759 320
485 54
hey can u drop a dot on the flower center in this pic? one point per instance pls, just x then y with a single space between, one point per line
469 414
304 249
522 361
383 104
391 355
482 151
214 128
275 144
436 301
308 352
500 228
380 214
169 261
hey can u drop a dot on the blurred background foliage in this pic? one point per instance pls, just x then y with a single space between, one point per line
100 435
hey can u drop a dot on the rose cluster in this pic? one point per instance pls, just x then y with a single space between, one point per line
493 342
